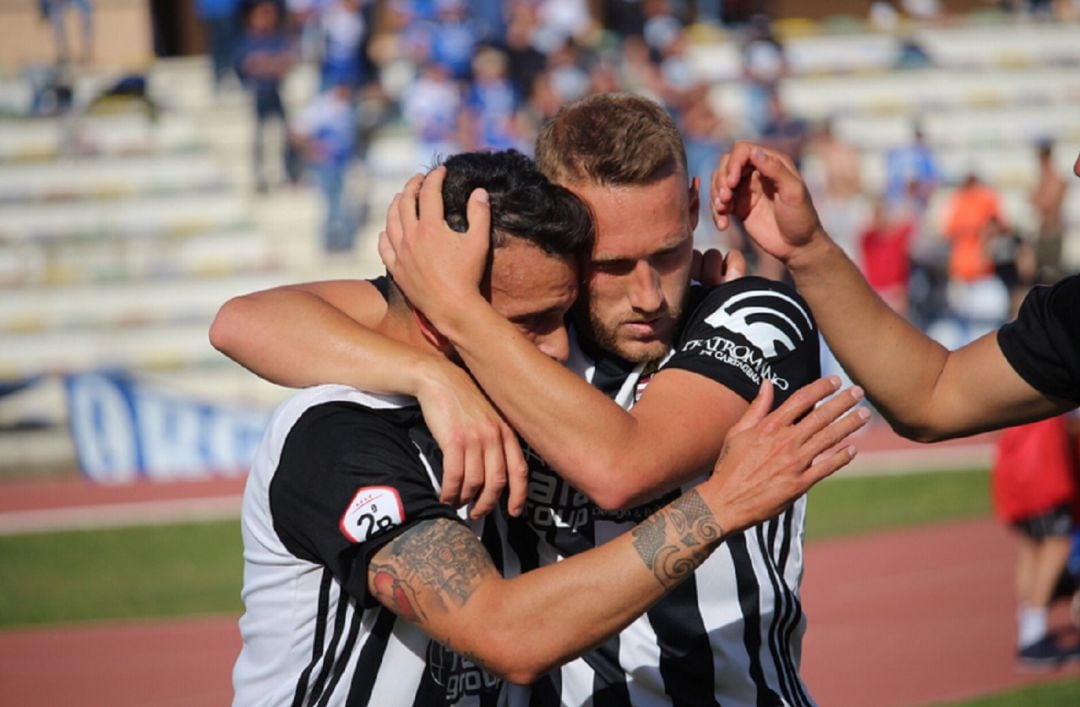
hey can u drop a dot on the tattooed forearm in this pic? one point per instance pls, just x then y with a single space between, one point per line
674 541
395 593
436 564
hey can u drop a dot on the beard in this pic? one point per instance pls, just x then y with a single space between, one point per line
606 336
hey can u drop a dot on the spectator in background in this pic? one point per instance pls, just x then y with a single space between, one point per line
914 162
325 134
1047 198
526 62
834 177
1034 485
342 32
450 39
973 222
55 11
764 65
264 56
884 255
706 141
431 108
784 132
219 19
491 114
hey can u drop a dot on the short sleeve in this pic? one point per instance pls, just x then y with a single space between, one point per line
349 481
747 330
1043 343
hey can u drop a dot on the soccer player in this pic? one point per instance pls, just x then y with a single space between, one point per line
362 588
694 357
1029 369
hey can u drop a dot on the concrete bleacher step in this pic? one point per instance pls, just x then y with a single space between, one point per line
901 92
116 305
995 129
188 256
25 139
139 216
1003 45
109 177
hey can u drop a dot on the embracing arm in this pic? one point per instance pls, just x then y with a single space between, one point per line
319 332
438 575
925 391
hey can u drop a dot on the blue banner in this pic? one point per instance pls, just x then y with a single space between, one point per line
125 429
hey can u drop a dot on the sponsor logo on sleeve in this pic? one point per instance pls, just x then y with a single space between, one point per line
372 511
767 324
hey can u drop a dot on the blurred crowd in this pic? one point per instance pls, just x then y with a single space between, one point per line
487 73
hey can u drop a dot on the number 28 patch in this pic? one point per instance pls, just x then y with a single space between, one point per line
373 510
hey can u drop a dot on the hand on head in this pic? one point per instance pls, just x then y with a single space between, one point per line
763 189
429 261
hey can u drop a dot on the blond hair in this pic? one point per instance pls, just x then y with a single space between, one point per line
611 139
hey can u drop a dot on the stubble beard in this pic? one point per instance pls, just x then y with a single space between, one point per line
632 350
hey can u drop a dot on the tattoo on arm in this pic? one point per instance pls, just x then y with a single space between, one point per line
435 565
674 541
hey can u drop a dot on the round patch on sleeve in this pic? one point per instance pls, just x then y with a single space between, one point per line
373 510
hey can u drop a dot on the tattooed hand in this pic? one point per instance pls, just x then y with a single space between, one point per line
770 460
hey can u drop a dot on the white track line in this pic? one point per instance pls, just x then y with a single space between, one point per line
116 515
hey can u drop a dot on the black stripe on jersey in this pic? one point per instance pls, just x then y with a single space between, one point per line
317 641
780 603
686 659
489 538
342 661
370 660
331 651
796 613
547 691
750 602
609 680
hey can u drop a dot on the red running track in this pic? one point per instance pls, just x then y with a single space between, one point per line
897 618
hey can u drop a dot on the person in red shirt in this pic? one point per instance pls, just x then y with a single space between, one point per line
884 250
1034 488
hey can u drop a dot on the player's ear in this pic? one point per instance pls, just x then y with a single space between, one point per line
693 201
432 335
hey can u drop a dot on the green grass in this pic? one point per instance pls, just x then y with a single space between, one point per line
860 504
196 568
1051 694
169 570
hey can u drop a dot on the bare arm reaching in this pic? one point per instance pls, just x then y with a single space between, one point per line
437 575
925 391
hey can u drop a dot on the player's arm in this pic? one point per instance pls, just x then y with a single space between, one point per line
319 332
925 391
437 574
615 458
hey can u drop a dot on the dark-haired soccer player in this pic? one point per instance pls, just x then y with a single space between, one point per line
362 588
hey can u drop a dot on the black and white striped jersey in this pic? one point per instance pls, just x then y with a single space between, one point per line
340 473
732 634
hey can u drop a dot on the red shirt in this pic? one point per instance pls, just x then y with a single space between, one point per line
1034 470
884 254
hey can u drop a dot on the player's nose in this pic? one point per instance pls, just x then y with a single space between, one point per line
644 288
555 344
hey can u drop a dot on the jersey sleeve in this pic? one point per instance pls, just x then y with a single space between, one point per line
349 481
1043 343
747 330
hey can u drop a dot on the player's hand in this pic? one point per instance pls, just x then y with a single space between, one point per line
713 268
771 459
481 453
762 189
437 268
